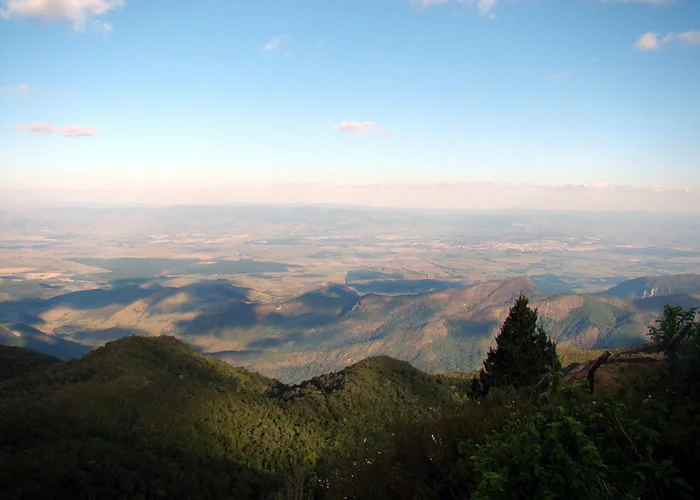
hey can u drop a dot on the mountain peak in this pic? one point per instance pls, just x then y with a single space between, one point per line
656 286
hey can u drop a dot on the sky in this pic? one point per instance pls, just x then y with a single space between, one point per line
429 103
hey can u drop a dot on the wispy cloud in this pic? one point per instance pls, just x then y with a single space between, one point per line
483 7
278 44
19 91
656 41
49 129
648 41
649 2
23 90
355 127
424 4
689 37
274 44
560 75
101 27
78 12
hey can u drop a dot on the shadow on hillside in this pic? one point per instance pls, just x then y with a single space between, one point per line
30 310
236 357
99 337
403 286
332 297
656 304
550 284
122 293
464 328
299 339
245 315
103 459
36 340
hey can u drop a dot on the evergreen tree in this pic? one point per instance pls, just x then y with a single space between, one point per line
675 320
523 353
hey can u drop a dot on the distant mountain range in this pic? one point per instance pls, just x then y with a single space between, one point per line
656 286
327 329
21 335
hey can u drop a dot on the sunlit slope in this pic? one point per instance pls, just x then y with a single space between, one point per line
329 328
140 413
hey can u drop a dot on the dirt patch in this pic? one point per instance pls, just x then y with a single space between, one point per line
607 376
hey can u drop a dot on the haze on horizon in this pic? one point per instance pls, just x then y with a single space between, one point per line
450 104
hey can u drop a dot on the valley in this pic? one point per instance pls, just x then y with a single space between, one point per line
298 292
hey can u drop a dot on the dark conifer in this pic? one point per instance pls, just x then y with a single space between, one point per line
523 353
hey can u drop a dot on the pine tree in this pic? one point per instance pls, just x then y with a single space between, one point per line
523 353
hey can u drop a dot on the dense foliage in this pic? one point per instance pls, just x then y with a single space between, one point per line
675 320
15 361
637 439
151 418
523 353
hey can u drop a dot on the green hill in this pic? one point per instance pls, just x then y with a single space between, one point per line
16 361
151 417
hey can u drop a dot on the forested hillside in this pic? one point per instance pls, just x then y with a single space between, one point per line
153 418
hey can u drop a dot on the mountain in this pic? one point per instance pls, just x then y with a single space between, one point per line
656 286
135 418
20 335
17 361
327 329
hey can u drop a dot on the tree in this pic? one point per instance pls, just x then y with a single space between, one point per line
523 353
674 320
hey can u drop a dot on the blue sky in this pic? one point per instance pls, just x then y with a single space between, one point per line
107 94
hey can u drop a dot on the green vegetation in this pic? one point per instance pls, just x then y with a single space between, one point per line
636 440
15 361
523 353
152 418
674 321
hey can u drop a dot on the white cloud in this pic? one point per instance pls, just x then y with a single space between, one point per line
560 75
483 7
274 44
23 90
649 2
655 41
101 27
690 37
648 41
354 127
49 129
78 12
19 91
78 131
424 4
